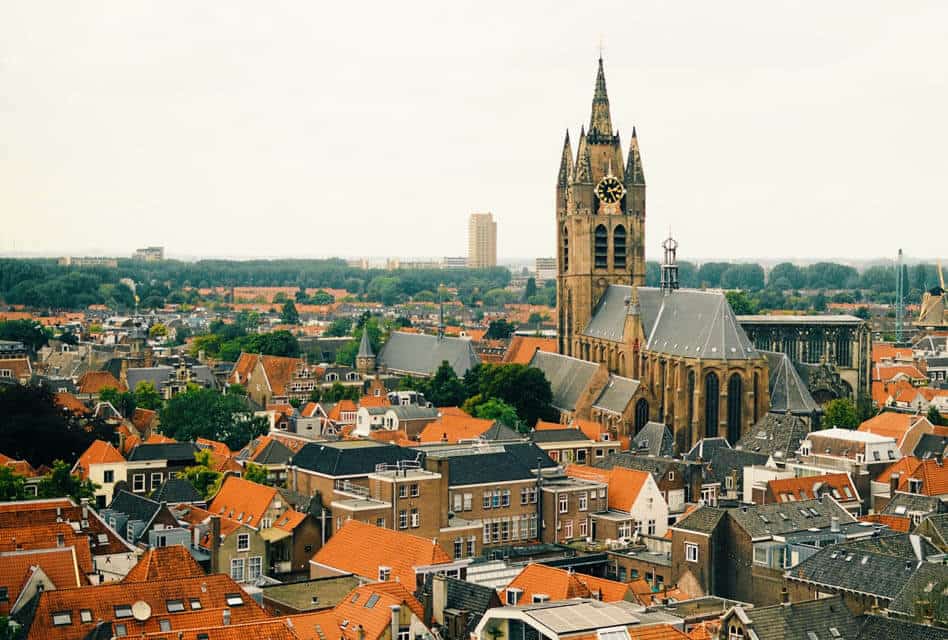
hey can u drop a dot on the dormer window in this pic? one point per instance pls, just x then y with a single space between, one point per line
513 596
915 485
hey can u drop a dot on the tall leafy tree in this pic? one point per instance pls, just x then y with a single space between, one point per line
205 413
30 333
841 413
60 483
147 396
444 389
123 401
289 314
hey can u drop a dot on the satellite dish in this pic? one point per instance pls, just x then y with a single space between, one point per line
141 611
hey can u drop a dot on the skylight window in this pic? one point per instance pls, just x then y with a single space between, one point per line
900 510
195 603
61 618
234 600
85 615
174 606
123 611
371 602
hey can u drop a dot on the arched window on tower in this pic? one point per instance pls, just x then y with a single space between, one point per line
712 391
601 248
618 247
565 249
756 396
735 404
641 414
691 398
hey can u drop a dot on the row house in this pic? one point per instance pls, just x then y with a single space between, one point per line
568 444
15 370
635 505
150 465
838 485
104 466
906 429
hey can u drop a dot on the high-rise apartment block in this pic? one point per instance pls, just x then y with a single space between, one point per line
481 241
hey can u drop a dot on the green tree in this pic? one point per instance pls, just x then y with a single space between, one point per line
863 313
530 290
158 330
9 629
786 275
339 328
202 475
444 389
865 408
289 314
934 417
256 473
535 320
60 483
522 387
123 401
321 297
12 485
30 333
500 329
840 413
205 413
740 303
500 411
147 396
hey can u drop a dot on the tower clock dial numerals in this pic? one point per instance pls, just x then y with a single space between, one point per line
610 190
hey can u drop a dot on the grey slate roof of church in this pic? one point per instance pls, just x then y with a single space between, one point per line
617 394
777 435
654 439
417 353
568 377
788 393
365 347
797 620
882 628
686 322
920 586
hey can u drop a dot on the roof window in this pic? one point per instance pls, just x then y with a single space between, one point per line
234 600
61 618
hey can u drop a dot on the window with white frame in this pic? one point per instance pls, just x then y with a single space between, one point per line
415 519
255 567
583 528
691 552
583 501
458 548
384 573
155 480
138 482
650 530
760 554
625 529
403 519
568 529
564 503
487 500
468 500
237 569
456 500
243 542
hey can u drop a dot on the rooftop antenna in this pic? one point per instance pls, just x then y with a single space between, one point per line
899 302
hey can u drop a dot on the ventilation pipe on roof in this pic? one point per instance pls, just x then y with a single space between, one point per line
834 524
226 617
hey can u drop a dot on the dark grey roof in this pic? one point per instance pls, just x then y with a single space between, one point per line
275 452
931 446
421 354
938 522
765 520
877 567
657 466
903 503
413 412
883 628
777 435
170 451
479 468
499 431
654 439
788 393
921 586
687 322
134 506
558 435
568 377
616 395
705 448
797 620
724 460
175 491
365 347
325 458
473 598
703 520
527 453
159 376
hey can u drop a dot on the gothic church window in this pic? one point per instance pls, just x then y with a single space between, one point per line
735 401
618 248
641 414
602 248
711 399
565 250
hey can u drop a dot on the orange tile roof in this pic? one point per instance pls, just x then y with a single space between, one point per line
243 500
656 632
378 547
522 348
592 430
290 520
624 484
19 467
30 536
291 443
93 382
707 630
890 424
904 466
543 425
560 584
279 371
270 629
646 596
68 401
144 419
374 401
16 567
373 621
399 437
884 373
888 351
101 601
805 488
43 504
216 447
896 523
453 428
99 452
934 477
243 368
335 413
164 563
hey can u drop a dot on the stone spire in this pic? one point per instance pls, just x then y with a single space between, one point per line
365 347
583 171
633 170
566 164
617 162
600 122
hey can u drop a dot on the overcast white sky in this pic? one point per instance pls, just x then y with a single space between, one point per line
799 129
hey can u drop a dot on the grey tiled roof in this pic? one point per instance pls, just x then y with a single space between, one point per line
764 520
687 322
724 460
365 347
920 586
568 377
324 458
422 354
797 620
176 490
777 435
706 447
883 628
478 468
703 520
170 451
912 503
558 435
134 506
617 394
275 452
788 393
655 439
931 446
657 466
499 431
413 412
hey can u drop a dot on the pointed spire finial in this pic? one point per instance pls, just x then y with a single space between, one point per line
600 122
634 173
566 163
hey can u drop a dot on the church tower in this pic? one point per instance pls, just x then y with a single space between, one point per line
600 219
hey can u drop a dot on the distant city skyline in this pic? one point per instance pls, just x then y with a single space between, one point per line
767 129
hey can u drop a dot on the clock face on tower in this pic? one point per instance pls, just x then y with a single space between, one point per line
610 190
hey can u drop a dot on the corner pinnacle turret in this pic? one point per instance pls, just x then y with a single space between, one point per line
566 164
600 122
634 174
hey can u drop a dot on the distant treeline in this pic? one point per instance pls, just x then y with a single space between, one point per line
42 283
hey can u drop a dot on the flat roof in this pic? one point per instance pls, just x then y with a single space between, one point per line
800 319
850 434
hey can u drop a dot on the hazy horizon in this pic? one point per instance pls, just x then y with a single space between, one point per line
296 130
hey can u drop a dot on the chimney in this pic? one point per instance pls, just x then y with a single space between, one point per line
226 617
360 632
894 482
215 533
439 598
834 524
396 610
784 596
85 508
